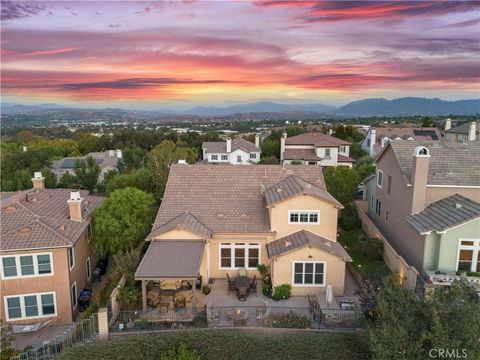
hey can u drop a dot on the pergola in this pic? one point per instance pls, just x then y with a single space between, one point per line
170 260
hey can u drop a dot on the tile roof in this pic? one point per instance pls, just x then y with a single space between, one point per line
42 221
451 162
303 238
463 129
171 259
301 154
103 159
426 133
292 186
227 198
343 158
316 139
444 214
221 147
185 221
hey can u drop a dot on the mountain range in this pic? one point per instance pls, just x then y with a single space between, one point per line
406 106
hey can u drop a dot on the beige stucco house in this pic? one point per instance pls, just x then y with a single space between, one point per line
215 220
45 255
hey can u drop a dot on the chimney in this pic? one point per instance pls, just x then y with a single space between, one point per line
420 164
282 145
257 140
111 153
472 131
119 153
75 206
38 180
448 124
330 132
229 145
373 138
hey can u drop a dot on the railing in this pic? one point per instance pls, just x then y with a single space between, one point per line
80 332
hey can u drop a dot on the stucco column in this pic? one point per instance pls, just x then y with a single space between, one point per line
103 323
194 287
144 294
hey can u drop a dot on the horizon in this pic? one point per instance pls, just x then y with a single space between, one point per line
178 55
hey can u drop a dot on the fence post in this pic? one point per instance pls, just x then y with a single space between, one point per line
103 323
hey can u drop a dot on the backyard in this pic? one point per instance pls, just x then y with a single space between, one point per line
216 344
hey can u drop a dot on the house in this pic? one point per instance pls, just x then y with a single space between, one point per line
107 160
215 220
315 149
45 255
235 152
425 199
377 138
464 132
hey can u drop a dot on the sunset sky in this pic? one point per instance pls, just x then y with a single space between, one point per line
179 54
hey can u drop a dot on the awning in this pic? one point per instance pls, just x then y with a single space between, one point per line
167 259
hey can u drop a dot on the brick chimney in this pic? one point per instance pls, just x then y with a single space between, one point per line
472 131
75 206
420 164
38 180
229 145
257 140
448 124
282 145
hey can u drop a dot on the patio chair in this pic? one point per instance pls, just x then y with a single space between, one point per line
313 303
242 293
180 303
242 272
253 286
230 284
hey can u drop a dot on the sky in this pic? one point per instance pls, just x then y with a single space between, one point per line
180 54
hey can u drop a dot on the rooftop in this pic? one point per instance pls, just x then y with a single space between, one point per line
221 147
301 154
315 139
103 159
463 129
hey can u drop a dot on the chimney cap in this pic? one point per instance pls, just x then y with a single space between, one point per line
182 161
75 196
421 151
37 175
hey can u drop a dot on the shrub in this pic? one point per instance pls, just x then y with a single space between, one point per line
282 292
373 248
289 320
128 295
141 324
266 290
349 219
206 290
181 353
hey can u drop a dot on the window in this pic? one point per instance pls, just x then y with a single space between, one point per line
71 257
26 265
89 232
214 157
327 153
309 273
343 149
389 184
88 269
224 157
303 217
379 178
239 255
253 156
74 295
368 142
469 255
386 215
30 306
239 158
378 207
371 203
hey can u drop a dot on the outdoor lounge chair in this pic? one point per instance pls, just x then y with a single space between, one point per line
253 286
180 303
230 284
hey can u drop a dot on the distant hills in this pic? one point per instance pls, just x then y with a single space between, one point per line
406 106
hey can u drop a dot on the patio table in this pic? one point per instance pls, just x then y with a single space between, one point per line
242 281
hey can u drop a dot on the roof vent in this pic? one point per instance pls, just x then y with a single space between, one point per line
288 243
458 206
63 227
220 215
75 195
279 190
244 216
25 230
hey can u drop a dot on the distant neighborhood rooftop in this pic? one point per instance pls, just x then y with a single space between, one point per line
316 139
103 159
221 146
463 129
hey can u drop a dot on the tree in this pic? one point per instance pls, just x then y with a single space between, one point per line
271 147
122 221
87 172
365 167
67 181
269 160
88 143
6 339
342 183
139 178
427 122
356 151
131 159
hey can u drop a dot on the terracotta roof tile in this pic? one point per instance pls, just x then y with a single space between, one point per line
221 147
316 139
301 154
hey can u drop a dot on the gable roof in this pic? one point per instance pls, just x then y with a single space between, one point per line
292 186
303 238
221 147
444 214
42 220
463 129
103 159
315 139
301 154
451 163
185 221
227 198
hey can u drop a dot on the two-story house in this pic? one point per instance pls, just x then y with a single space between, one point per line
377 138
214 220
464 132
315 149
234 152
425 199
45 255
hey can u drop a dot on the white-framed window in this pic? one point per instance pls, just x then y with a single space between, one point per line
71 257
88 269
74 295
371 202
28 306
224 157
379 178
239 255
304 217
327 153
378 207
214 157
28 265
253 156
343 149
239 158
386 215
308 273
468 257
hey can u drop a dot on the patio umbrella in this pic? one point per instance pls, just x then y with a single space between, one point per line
329 295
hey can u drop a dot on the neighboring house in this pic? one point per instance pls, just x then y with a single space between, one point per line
315 149
425 199
214 220
377 138
465 132
235 152
45 255
107 160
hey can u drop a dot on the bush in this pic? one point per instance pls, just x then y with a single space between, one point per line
289 320
206 290
282 292
372 248
349 219
128 295
141 324
181 353
267 289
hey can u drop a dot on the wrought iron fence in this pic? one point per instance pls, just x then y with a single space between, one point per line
80 332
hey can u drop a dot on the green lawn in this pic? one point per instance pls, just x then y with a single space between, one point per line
365 254
231 345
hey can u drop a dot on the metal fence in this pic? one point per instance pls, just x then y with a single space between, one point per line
238 316
80 332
